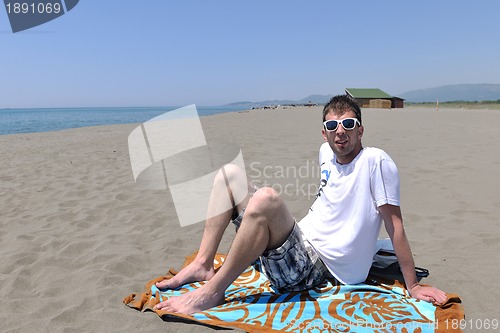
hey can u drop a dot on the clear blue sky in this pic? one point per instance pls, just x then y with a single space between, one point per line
157 52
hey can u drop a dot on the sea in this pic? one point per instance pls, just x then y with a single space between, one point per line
14 121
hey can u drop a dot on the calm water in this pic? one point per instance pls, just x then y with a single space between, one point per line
14 121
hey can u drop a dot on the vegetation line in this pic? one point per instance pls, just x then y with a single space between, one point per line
461 104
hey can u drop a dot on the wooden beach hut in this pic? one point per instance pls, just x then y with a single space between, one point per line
374 98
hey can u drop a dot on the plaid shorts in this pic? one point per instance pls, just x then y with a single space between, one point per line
293 266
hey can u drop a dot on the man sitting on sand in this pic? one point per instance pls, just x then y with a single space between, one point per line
359 188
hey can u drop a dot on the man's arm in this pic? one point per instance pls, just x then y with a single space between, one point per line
394 225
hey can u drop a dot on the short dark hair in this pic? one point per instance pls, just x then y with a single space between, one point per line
341 104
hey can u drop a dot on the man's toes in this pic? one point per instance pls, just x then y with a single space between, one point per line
161 306
162 284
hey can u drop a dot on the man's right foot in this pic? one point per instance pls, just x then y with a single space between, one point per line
194 272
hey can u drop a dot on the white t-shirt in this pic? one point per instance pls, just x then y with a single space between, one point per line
343 223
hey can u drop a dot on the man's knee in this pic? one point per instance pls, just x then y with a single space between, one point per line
265 199
230 173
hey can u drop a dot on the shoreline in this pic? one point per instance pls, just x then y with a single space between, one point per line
453 106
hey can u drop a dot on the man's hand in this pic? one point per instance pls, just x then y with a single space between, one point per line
428 294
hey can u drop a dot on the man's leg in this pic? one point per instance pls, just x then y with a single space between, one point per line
231 186
266 225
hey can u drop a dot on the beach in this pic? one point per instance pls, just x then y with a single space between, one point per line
78 234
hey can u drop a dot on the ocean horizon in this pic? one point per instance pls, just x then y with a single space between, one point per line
33 120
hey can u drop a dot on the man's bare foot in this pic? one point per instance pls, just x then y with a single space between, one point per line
197 300
194 272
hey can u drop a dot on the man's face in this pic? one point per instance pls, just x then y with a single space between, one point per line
346 144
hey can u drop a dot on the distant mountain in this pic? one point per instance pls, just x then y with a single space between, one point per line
456 92
318 99
449 93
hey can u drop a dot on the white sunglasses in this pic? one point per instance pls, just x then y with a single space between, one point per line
347 124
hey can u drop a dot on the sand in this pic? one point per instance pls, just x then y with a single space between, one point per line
77 234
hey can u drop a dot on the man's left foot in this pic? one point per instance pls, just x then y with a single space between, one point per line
198 300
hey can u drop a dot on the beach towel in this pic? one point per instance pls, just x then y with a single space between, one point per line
380 304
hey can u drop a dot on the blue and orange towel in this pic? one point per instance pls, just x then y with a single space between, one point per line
378 305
